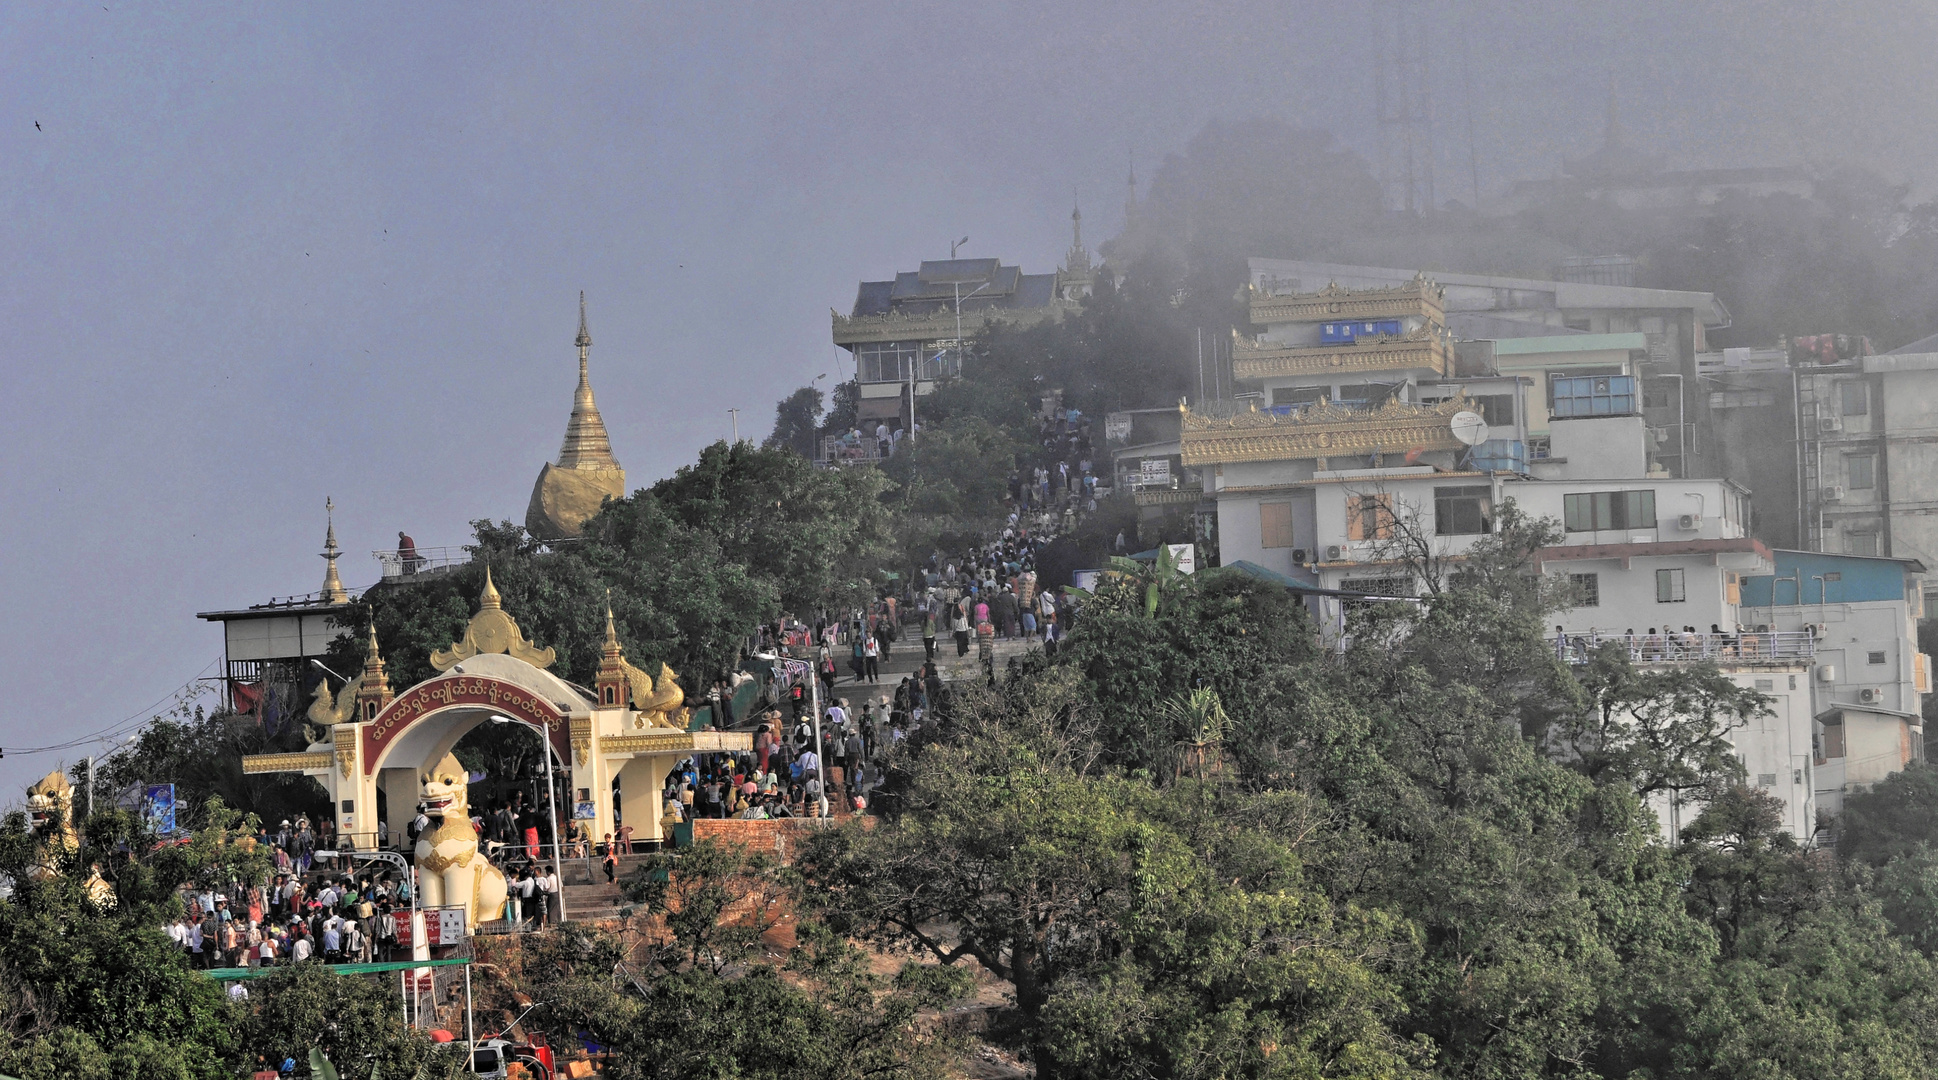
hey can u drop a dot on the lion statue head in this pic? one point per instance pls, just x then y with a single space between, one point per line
444 792
50 805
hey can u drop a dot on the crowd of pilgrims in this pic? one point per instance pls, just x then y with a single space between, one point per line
972 597
308 910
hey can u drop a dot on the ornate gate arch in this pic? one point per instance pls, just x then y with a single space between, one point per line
615 742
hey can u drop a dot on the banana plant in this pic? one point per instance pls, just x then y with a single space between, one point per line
1158 578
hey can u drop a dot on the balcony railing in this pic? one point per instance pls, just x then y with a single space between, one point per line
400 563
1749 647
838 451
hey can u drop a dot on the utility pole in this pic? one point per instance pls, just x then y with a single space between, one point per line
1403 99
1201 367
735 413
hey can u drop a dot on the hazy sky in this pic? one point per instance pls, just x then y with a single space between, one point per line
260 254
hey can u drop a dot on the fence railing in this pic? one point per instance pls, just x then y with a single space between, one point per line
837 451
400 563
1748 647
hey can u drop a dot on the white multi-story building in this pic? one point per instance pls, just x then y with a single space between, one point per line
1349 492
1868 680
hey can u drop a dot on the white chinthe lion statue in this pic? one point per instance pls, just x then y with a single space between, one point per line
450 869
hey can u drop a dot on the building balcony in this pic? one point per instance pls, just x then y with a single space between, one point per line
1425 349
838 450
936 325
1420 298
400 564
1317 431
1182 495
1780 647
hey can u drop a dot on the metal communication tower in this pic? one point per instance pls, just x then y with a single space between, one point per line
1404 97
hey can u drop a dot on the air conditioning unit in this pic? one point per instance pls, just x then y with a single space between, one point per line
1301 556
1834 493
1830 424
1335 553
1870 696
1689 522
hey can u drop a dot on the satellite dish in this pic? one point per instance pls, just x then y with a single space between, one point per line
1469 428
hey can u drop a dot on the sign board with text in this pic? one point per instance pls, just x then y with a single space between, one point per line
443 926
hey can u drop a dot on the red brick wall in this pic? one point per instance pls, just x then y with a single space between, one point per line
763 835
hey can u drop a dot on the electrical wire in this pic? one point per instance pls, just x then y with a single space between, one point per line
187 692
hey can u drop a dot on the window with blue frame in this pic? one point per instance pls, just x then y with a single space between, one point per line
1592 395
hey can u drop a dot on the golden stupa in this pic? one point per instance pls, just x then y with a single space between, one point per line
569 492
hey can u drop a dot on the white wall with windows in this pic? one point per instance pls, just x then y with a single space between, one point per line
1775 751
1342 519
1643 593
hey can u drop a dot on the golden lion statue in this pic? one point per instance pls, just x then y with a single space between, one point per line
451 872
50 812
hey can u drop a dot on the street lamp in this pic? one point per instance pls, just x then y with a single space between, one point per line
912 381
551 802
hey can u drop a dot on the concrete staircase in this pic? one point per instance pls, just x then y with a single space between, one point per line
587 896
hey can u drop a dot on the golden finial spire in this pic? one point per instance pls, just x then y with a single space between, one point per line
333 590
489 599
373 686
586 443
612 632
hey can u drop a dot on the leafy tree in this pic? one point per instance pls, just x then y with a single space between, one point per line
1217 629
1897 817
797 421
1907 887
710 1006
959 468
1139 934
1744 865
201 754
1658 729
354 1021
815 535
88 989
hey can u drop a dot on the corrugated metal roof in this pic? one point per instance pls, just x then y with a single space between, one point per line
873 297
1566 294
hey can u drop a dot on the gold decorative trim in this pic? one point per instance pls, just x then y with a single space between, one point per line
675 743
280 763
646 744
1169 497
1320 431
492 631
1425 347
345 738
582 739
1420 297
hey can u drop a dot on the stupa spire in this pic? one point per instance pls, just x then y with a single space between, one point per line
571 491
333 590
586 444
